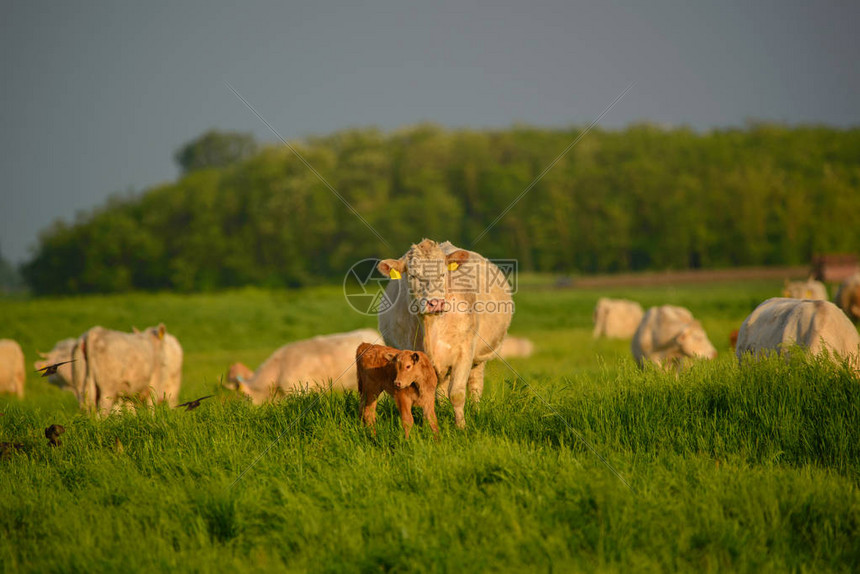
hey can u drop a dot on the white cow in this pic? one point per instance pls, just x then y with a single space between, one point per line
454 305
809 289
668 336
616 318
848 297
308 364
110 366
11 367
515 347
171 381
780 323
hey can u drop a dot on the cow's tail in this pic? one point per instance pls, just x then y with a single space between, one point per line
82 377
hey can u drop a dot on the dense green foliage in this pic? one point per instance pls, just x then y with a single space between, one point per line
215 149
641 198
10 279
732 469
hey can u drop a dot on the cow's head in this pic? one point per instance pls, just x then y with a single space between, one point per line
156 333
406 365
694 342
427 271
237 375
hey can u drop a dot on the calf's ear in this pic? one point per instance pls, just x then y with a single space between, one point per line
162 330
415 358
392 268
389 356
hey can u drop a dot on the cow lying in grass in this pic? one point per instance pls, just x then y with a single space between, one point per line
320 363
408 376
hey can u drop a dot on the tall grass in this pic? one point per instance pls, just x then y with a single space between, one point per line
730 468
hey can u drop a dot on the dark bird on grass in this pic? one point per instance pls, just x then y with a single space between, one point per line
52 369
191 405
53 432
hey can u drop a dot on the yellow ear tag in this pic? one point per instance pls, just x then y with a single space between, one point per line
453 266
394 274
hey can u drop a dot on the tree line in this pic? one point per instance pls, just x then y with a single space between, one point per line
644 197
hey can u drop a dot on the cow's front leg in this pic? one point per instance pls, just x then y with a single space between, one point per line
404 405
476 382
457 392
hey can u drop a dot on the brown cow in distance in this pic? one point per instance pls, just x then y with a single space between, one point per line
408 376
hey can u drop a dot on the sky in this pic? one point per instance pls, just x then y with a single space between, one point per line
96 97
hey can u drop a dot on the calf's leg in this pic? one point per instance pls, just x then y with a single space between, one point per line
404 405
369 397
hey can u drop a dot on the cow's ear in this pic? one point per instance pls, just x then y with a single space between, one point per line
392 268
389 356
162 330
415 358
456 259
135 330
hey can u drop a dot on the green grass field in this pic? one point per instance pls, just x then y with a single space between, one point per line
740 469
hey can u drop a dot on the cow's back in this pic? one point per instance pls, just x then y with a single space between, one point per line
312 363
660 325
616 318
779 323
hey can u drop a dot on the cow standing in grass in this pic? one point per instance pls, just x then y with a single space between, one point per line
111 366
454 305
780 323
669 336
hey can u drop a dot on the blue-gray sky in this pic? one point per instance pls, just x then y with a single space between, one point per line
96 97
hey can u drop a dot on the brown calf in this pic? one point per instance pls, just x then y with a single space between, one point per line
408 376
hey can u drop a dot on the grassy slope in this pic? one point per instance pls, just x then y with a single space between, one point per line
743 469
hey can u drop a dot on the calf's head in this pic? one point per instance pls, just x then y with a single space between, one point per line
407 366
428 272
